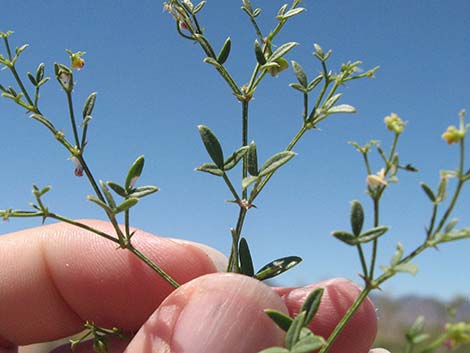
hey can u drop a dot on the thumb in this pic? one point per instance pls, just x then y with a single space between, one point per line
213 313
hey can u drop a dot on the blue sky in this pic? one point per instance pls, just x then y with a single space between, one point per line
153 90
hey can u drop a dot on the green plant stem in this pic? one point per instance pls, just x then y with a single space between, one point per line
375 242
345 319
233 258
245 105
457 190
152 265
90 177
23 89
435 344
408 347
230 186
72 119
363 260
127 223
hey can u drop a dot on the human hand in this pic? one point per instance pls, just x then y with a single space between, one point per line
55 277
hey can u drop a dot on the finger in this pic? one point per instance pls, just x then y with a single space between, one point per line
379 350
338 296
55 277
217 313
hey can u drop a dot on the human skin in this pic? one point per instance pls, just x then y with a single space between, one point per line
54 277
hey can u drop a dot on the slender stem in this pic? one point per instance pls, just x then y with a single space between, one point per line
72 119
245 105
230 186
305 112
152 265
7 46
363 260
90 177
233 258
432 222
375 242
345 319
126 223
23 89
257 29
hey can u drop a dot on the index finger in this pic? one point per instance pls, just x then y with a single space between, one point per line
55 277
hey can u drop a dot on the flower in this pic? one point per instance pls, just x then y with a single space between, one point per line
394 123
376 180
65 78
453 135
76 60
78 166
457 333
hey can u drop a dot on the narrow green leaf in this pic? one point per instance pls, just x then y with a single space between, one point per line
275 350
314 83
89 105
260 58
100 203
298 87
342 108
43 120
280 319
256 12
43 81
40 72
252 159
125 205
107 194
451 225
311 304
32 79
212 145
428 192
397 256
293 334
118 189
142 191
211 61
372 234
211 169
420 338
308 344
199 7
357 217
330 102
282 50
235 157
276 267
345 237
299 73
246 182
292 12
134 172
407 267
224 52
246 262
276 161
19 50
282 10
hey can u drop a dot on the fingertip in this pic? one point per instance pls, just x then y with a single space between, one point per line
217 313
338 296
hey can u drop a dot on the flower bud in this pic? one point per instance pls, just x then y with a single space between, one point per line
453 135
394 123
78 166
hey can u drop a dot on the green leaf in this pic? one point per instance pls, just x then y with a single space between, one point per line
311 304
372 234
32 79
451 225
142 191
43 120
293 334
252 160
246 182
235 157
260 58
19 50
100 203
276 161
299 73
118 189
397 255
89 105
407 267
134 172
308 344
415 329
275 350
225 51
357 217
246 263
280 319
256 12
211 61
282 50
298 87
212 145
199 7
211 169
345 237
330 102
428 192
126 205
107 194
291 13
342 108
314 82
276 267
40 72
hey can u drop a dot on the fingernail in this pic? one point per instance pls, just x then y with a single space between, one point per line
218 259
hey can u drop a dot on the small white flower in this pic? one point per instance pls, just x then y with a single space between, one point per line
78 166
376 180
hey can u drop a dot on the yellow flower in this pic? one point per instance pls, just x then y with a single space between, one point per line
458 333
76 59
453 135
394 123
376 180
